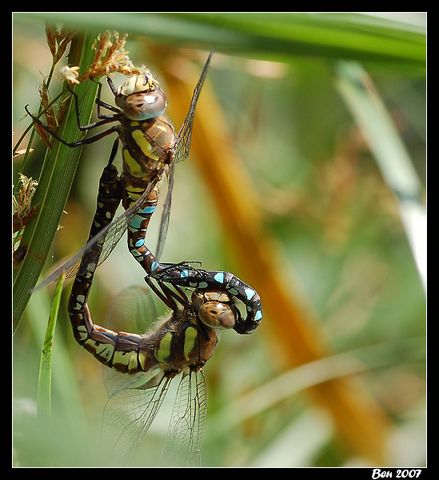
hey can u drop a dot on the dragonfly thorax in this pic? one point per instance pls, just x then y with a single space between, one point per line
141 98
184 342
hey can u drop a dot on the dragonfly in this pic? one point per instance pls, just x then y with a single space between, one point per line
149 148
141 375
180 344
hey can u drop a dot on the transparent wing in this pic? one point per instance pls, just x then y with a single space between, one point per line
187 422
110 235
164 222
183 144
132 310
181 152
132 405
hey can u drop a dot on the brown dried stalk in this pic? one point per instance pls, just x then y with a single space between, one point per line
49 112
58 40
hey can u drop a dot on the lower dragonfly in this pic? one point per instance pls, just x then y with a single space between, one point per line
183 343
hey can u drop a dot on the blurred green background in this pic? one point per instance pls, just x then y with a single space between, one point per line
342 248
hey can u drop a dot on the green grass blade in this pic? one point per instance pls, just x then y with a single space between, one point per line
65 387
388 43
357 90
56 178
44 396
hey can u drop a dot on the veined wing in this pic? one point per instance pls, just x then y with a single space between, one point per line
187 421
183 144
132 405
110 235
132 310
164 221
181 152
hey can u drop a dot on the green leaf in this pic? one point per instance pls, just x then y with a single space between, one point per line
357 90
270 35
44 397
56 178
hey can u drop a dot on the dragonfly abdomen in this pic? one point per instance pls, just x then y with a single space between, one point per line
123 351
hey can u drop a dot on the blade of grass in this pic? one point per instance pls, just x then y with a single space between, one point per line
56 178
64 377
365 104
326 35
44 394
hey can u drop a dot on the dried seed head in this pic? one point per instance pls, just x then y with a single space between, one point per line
49 112
58 40
111 56
43 134
23 211
51 38
21 152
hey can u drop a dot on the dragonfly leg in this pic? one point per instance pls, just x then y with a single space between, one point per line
168 296
93 138
104 118
100 103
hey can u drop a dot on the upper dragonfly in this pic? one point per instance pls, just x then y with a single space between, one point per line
150 148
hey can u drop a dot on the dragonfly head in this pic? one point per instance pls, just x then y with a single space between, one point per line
141 98
214 308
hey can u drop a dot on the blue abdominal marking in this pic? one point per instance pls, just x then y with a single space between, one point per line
258 315
219 277
249 293
138 218
148 210
136 221
154 265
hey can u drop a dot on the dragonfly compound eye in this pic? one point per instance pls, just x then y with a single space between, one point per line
217 315
141 98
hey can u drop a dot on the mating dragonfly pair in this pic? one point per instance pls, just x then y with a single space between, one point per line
187 339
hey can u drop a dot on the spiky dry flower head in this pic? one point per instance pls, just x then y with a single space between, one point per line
57 40
23 211
110 57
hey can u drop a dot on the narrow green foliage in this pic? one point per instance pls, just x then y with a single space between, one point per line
394 161
273 35
44 397
56 178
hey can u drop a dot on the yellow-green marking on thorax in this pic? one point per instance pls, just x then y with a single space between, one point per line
164 351
190 337
133 167
143 144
